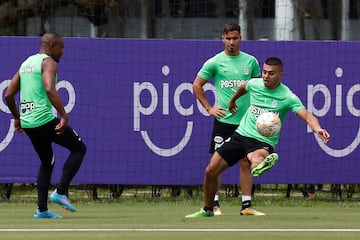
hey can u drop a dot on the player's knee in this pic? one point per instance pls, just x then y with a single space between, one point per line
211 172
81 149
244 164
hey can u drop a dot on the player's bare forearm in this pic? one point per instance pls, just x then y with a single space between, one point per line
239 92
57 103
314 124
10 93
200 93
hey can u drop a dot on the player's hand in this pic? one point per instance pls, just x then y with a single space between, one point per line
17 126
62 125
217 112
323 135
233 107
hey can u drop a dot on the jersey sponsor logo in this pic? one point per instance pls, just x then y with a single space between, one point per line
232 83
26 106
27 69
258 110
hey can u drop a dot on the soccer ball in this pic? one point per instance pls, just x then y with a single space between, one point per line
268 124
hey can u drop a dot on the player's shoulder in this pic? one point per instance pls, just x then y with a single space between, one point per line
255 81
218 56
287 91
285 88
215 59
247 55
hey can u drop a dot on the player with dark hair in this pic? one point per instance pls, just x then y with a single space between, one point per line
36 80
229 69
246 144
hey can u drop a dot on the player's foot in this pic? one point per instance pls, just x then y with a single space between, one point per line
200 214
265 165
251 211
217 211
46 214
62 200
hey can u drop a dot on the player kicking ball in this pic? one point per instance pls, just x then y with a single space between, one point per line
267 94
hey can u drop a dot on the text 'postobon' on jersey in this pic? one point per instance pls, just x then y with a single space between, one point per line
228 73
262 99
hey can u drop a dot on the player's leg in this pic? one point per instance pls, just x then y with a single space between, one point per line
40 139
221 132
226 156
217 210
216 166
216 141
261 157
70 140
246 182
261 165
213 170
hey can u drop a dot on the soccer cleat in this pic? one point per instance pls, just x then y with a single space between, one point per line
46 214
62 200
265 165
200 214
217 211
251 212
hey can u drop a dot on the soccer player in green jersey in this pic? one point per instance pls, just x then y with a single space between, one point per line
36 81
246 144
228 69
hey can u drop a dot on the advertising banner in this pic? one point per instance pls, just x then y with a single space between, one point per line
132 103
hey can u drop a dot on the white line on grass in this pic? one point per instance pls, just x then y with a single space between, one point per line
174 230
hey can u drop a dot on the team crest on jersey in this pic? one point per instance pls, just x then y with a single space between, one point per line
274 104
246 70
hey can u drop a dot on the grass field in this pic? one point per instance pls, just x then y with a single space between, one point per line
144 217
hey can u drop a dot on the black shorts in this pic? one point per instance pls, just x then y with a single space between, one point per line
221 132
237 147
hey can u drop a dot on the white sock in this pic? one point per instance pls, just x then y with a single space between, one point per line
245 198
216 198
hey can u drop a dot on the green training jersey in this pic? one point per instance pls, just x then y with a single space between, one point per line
228 73
262 99
35 106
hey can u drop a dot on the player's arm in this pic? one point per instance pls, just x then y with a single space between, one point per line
314 124
10 93
49 70
239 92
200 95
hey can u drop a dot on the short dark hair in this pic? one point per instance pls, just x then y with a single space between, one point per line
229 27
274 61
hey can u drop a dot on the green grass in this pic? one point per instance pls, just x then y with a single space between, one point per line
143 217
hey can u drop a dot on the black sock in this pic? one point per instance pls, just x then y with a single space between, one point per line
216 203
208 209
246 204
